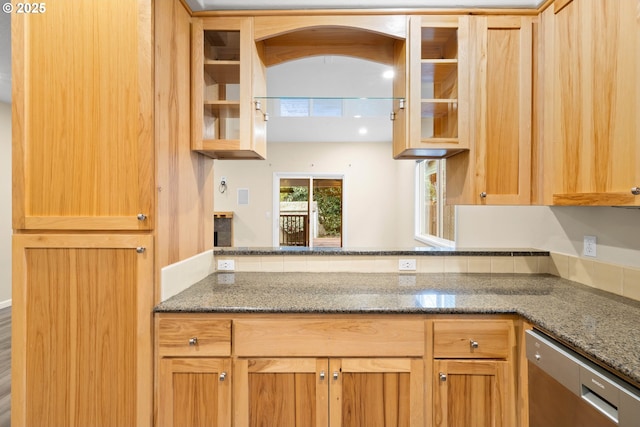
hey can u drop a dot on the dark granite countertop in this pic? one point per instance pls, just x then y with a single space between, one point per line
601 325
417 251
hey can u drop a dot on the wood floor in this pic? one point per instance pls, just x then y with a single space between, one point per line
5 367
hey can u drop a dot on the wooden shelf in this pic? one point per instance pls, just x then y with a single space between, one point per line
438 70
223 72
437 107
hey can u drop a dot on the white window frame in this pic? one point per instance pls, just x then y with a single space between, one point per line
430 239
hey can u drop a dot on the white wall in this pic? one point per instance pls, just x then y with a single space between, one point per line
557 229
378 191
5 204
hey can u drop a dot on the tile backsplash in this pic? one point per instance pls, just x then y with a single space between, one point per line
609 277
389 264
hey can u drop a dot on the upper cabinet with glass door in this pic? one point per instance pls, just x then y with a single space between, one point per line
227 73
439 87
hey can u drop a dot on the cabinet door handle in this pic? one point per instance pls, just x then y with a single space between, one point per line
335 375
635 191
141 217
322 375
443 377
473 344
483 195
141 249
222 376
193 341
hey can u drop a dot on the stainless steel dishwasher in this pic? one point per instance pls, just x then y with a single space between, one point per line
568 390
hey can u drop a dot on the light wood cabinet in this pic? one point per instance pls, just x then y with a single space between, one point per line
591 102
82 114
227 76
329 392
438 101
81 330
290 371
471 393
195 370
497 168
196 392
473 372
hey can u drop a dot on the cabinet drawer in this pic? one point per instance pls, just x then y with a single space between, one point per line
183 336
472 339
330 337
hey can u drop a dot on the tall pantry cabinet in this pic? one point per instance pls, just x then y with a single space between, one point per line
93 177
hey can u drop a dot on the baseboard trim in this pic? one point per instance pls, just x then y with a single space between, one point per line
5 304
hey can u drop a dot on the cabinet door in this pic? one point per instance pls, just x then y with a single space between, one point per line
376 392
82 116
438 87
81 330
498 168
228 77
281 392
472 393
194 392
596 103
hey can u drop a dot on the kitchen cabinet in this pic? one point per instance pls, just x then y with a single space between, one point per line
196 392
329 392
82 151
473 373
81 330
592 136
90 143
438 102
470 392
228 74
497 168
290 371
359 370
194 373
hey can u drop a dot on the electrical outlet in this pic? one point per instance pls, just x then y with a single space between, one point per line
226 265
407 264
589 248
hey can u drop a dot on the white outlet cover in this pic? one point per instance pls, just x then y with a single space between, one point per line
590 246
408 264
226 265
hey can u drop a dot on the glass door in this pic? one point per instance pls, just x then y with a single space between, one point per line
317 223
294 211
327 212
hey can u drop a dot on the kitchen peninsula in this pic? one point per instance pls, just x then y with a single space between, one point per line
424 325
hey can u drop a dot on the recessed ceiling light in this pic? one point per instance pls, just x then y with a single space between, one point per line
389 74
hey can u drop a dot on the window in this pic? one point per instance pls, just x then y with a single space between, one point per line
435 220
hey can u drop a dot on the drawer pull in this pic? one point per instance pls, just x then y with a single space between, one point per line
193 341
443 377
335 375
635 191
322 375
222 376
141 217
473 344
